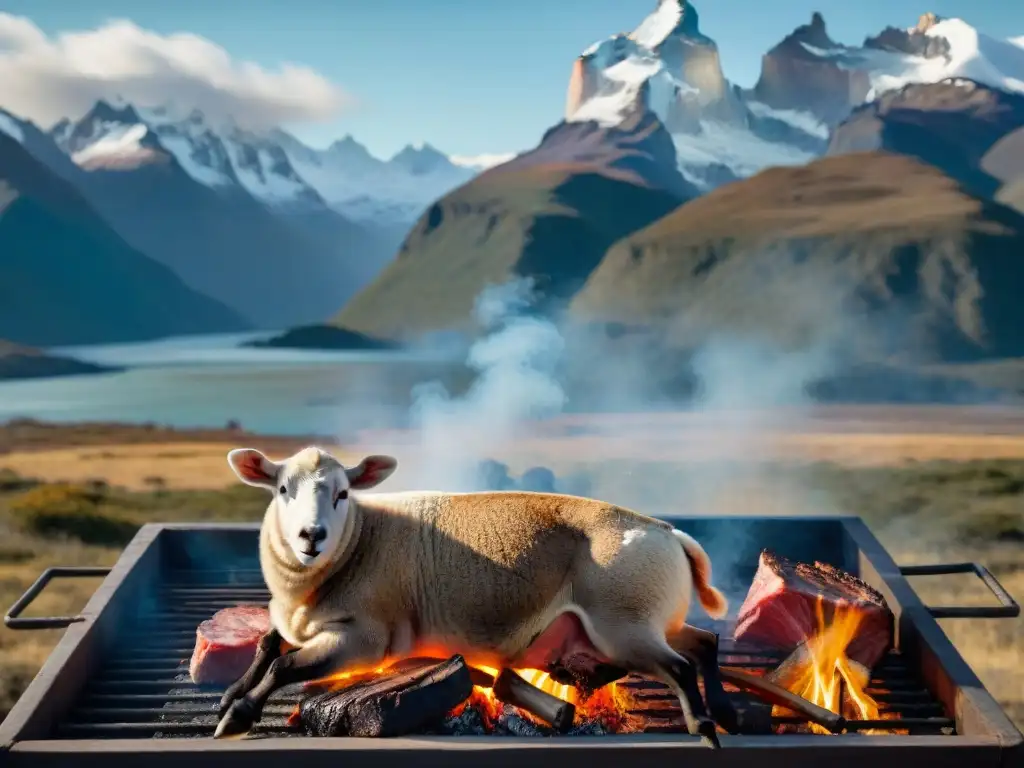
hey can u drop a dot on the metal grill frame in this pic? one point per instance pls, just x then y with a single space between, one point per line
985 736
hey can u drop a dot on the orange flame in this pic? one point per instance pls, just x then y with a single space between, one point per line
824 675
607 705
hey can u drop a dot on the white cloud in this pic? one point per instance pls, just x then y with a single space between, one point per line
44 79
482 162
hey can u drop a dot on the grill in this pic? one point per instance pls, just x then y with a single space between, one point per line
116 689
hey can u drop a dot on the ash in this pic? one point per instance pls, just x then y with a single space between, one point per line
470 722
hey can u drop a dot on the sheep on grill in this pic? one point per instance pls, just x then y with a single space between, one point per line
510 578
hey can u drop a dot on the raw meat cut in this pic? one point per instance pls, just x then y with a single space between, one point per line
780 611
226 644
390 704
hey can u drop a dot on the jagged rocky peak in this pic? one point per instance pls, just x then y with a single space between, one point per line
670 19
805 38
668 66
104 111
927 21
914 41
806 72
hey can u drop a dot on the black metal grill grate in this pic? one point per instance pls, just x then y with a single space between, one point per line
145 690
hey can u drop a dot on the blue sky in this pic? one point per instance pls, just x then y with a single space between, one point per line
475 76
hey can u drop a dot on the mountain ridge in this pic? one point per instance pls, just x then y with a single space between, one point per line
69 278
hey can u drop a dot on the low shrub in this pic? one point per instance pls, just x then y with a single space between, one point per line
70 511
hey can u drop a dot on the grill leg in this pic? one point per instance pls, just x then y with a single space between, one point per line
329 652
269 648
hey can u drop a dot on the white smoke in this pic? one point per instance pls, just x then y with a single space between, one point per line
515 363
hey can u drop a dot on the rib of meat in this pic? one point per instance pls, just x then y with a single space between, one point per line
780 609
394 704
226 644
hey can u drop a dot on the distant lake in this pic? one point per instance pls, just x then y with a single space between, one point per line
205 381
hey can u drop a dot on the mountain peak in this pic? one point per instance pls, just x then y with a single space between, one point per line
814 34
347 146
671 18
420 160
104 111
927 21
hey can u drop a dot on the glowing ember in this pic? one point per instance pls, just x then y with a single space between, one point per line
607 707
824 675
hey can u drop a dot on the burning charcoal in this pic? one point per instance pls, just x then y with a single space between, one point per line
226 644
789 603
391 705
512 689
469 722
511 723
588 728
540 479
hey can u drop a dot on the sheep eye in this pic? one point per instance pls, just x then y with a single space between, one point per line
283 490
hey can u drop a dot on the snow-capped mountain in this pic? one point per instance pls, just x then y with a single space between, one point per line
669 67
125 137
810 71
808 84
222 209
274 167
366 188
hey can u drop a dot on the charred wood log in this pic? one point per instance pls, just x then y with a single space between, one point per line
776 695
513 689
478 676
391 705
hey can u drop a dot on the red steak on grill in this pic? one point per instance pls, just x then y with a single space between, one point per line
226 644
780 611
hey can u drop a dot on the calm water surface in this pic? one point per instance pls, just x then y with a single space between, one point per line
208 380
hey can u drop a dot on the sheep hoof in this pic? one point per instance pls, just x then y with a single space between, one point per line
708 733
231 695
238 721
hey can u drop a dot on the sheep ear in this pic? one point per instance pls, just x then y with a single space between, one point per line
371 471
253 468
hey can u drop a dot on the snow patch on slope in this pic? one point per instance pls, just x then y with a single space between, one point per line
799 119
262 182
10 126
115 142
185 153
972 55
656 28
481 162
379 191
737 148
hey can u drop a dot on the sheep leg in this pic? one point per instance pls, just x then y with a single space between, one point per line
702 646
682 677
330 651
268 649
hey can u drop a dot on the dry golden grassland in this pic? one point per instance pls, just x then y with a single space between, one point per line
930 487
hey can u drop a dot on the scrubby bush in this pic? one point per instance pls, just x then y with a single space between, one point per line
11 481
69 511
